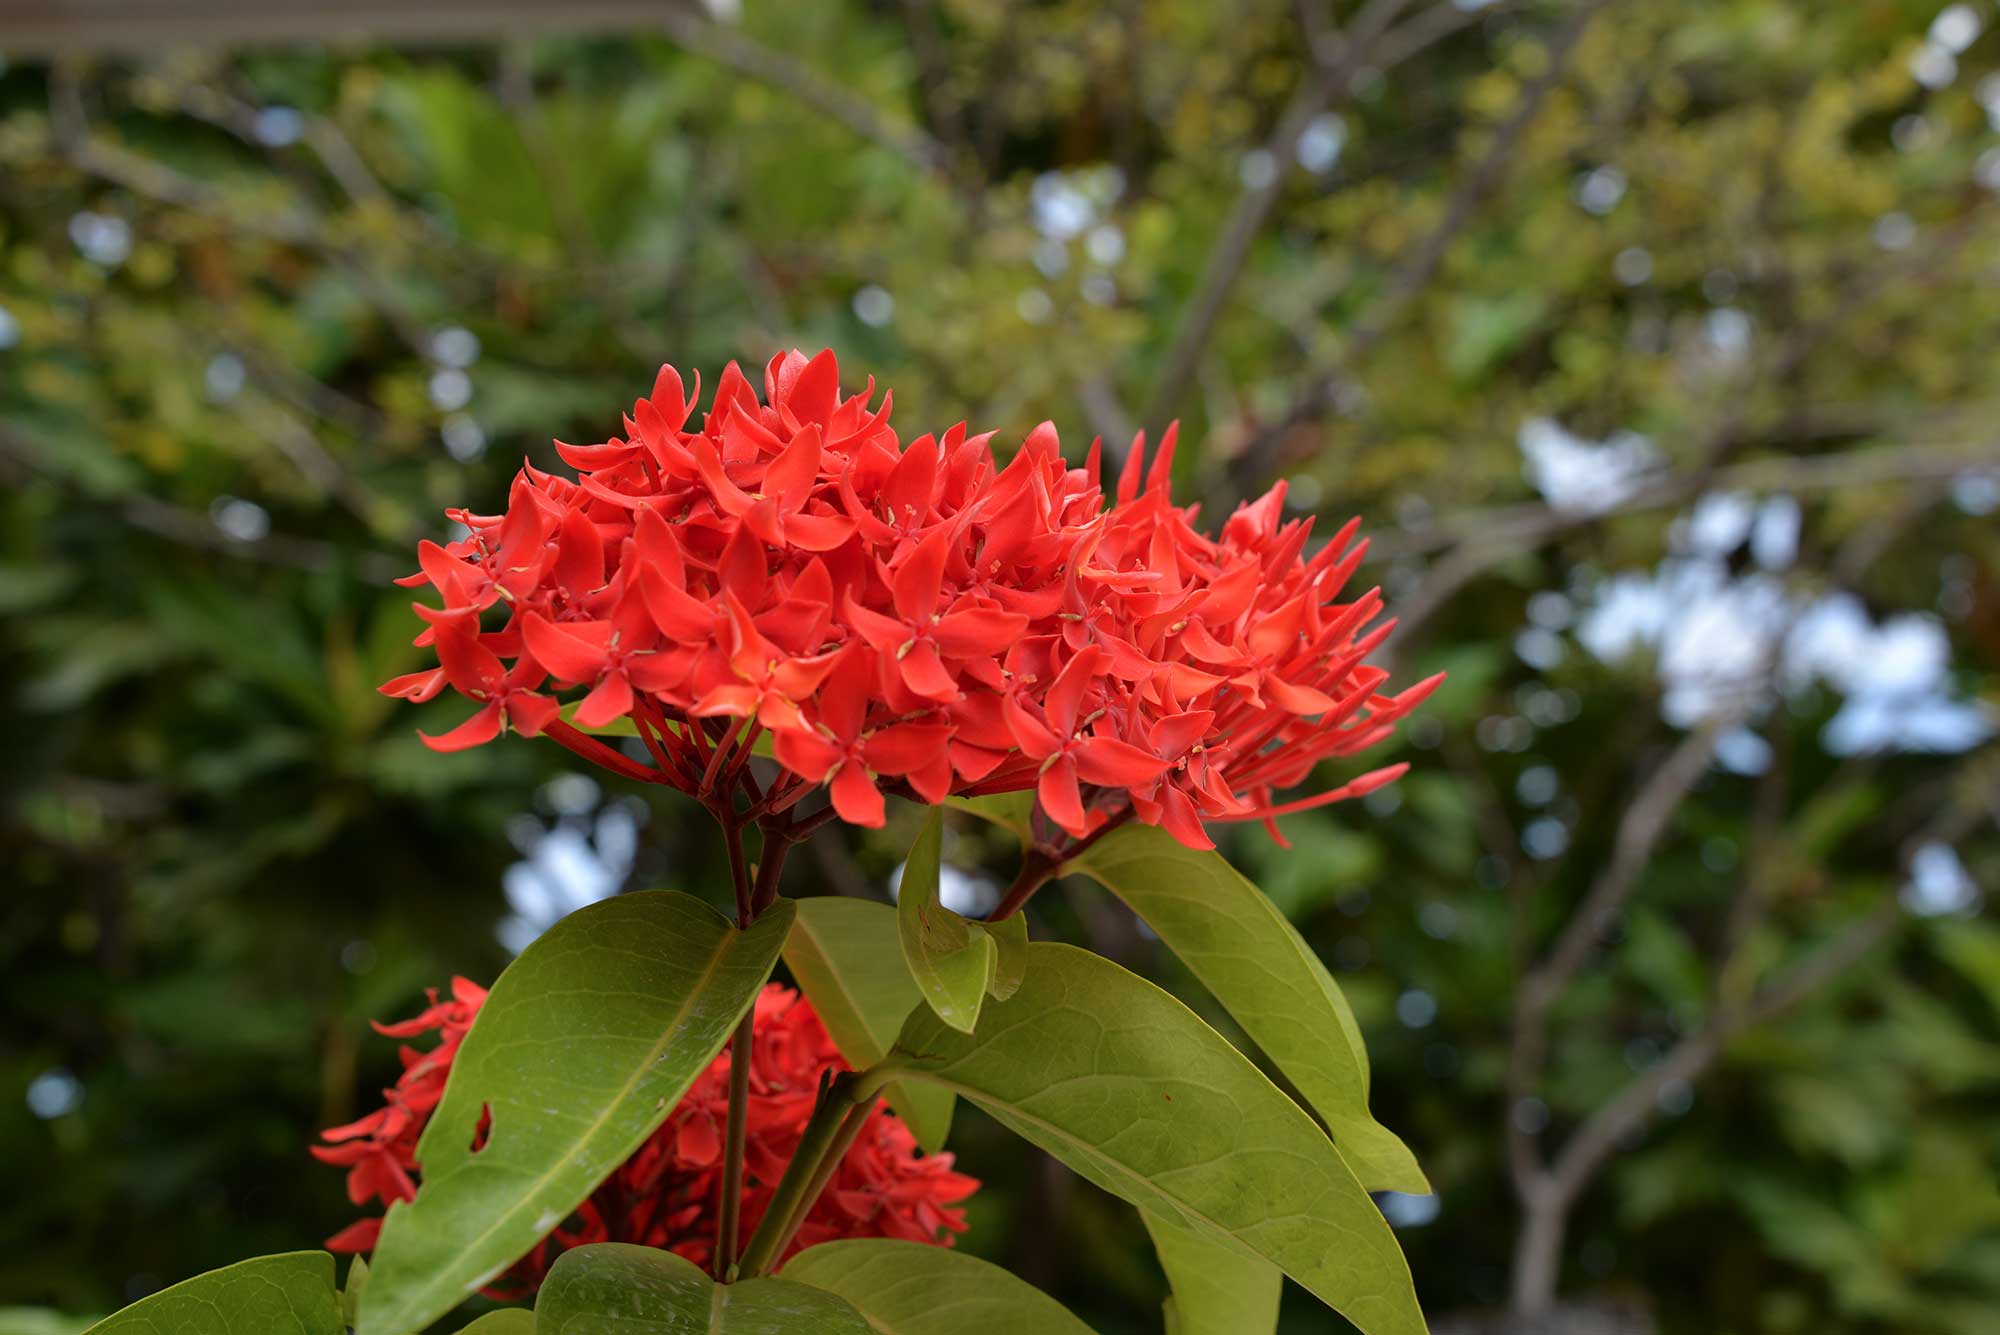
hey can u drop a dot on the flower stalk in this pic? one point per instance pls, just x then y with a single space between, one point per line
836 1120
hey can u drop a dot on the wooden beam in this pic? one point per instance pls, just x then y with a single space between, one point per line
45 27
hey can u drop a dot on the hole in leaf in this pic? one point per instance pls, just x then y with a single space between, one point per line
484 1131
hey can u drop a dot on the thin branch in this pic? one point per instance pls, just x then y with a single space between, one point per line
1489 538
729 47
1644 824
190 528
1594 1141
1420 264
1330 76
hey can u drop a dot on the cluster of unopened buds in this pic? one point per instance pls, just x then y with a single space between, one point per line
669 1193
911 618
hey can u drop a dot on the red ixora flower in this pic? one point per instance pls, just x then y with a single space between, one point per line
668 1194
917 618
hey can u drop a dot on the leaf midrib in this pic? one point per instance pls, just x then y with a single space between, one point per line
723 949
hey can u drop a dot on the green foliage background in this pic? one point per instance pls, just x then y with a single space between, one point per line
224 411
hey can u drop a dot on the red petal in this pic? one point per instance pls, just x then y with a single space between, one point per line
921 577
1061 797
1295 699
570 652
1114 764
609 699
815 393
924 672
531 713
482 727
359 1236
415 686
904 747
806 754
1065 698
907 489
978 630
818 533
792 475
679 615
856 797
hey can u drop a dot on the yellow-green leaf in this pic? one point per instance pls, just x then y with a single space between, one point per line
1242 949
907 1288
1010 954
1127 1086
950 958
614 1288
846 956
1215 1290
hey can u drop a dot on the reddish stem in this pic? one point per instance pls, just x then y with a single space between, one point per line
597 753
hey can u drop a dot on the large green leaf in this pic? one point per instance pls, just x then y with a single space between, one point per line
951 959
907 1288
587 1042
1126 1085
288 1294
613 1288
1217 1290
511 1321
846 956
1256 964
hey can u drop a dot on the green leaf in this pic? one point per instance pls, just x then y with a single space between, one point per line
907 1288
587 1041
1256 964
288 1294
42 1321
1010 811
350 1294
950 958
1127 1086
1216 1290
1010 954
622 726
510 1321
846 956
613 1288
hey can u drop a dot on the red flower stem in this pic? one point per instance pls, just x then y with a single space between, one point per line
1039 866
836 1121
778 841
597 753
653 744
739 872
736 1140
716 757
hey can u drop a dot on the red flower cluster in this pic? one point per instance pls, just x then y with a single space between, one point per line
913 616
668 1194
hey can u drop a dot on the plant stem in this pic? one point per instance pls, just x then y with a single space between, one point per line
739 871
736 1130
842 1108
736 1137
777 843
